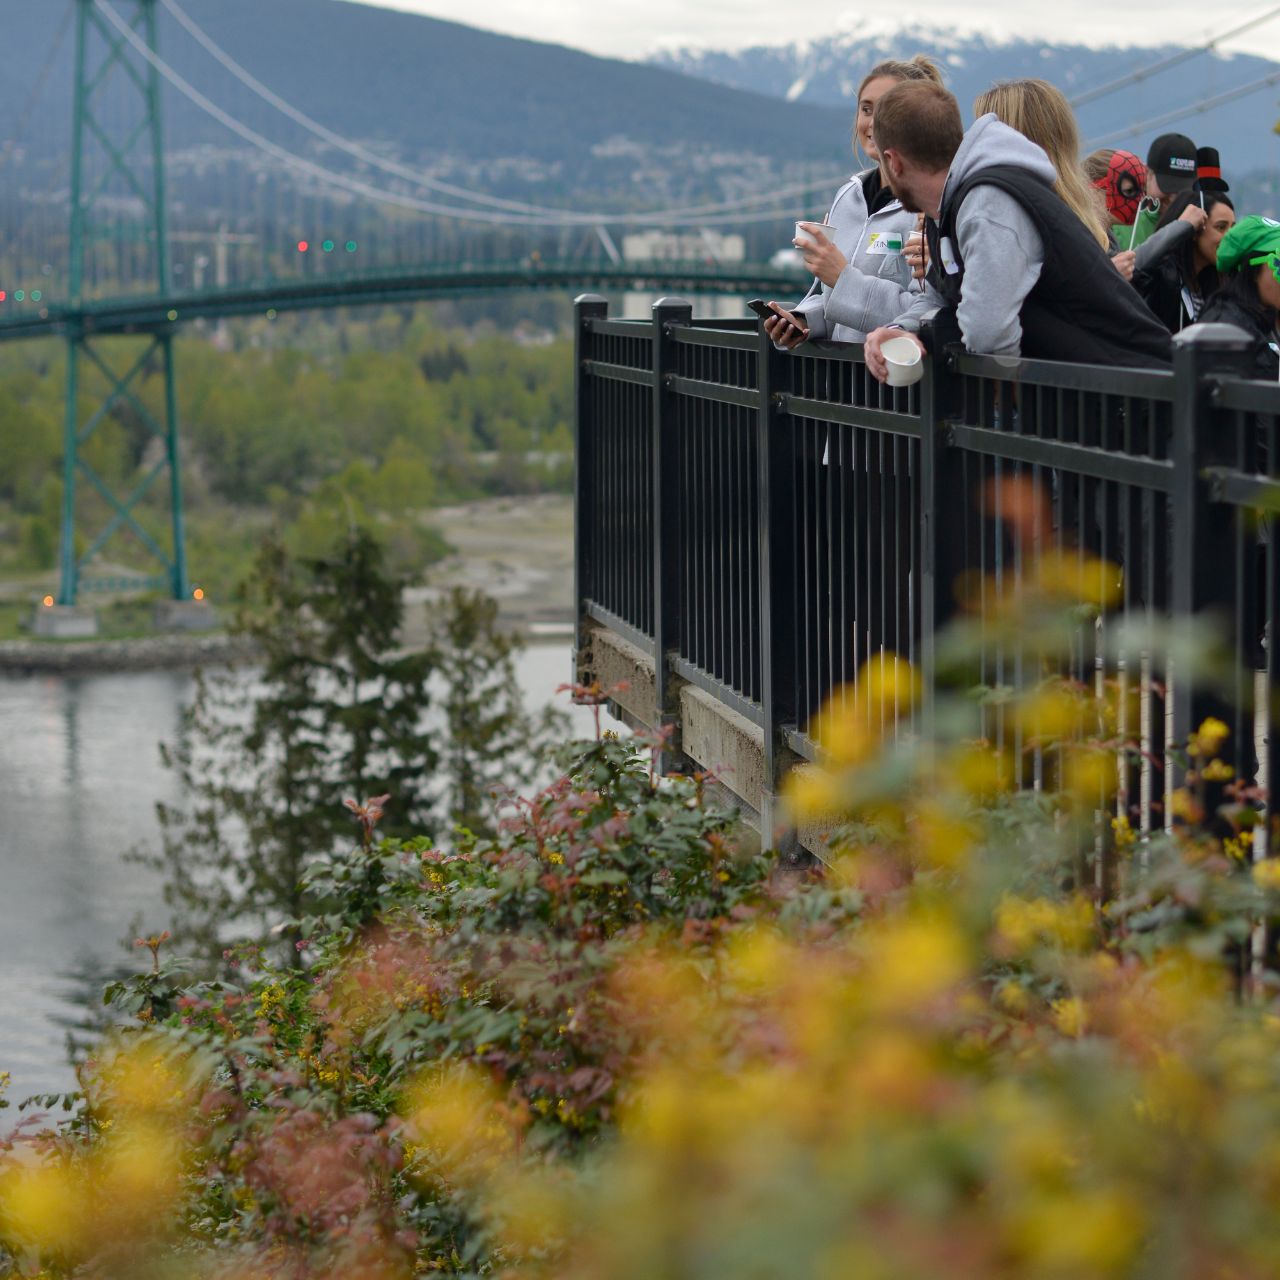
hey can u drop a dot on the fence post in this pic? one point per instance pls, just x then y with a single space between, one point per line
942 521
667 312
586 308
1201 541
776 530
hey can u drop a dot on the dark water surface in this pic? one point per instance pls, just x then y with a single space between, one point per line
80 776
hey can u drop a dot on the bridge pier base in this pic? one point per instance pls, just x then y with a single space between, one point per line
64 622
185 615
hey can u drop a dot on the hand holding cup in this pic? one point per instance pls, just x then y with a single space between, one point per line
916 254
821 257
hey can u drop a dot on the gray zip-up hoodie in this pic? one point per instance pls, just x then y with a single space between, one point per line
877 284
998 242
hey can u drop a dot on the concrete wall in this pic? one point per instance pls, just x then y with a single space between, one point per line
713 736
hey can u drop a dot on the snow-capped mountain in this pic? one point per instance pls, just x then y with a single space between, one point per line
827 71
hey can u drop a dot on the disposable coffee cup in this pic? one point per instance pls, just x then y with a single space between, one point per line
904 360
806 237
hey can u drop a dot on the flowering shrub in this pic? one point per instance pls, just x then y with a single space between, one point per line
613 1041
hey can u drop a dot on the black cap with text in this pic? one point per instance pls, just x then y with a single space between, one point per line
1172 161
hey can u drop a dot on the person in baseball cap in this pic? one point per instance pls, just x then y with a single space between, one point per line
1249 293
1171 167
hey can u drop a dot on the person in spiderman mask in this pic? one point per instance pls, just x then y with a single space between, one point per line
1120 179
1142 236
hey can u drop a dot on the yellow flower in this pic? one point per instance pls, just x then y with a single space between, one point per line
143 1075
942 839
1210 736
1266 874
1051 713
1125 836
1217 771
140 1170
890 682
459 1115
812 794
1076 577
854 718
1013 998
1091 1233
1183 805
979 770
1024 923
913 961
43 1207
1090 775
842 729
1069 1016
1238 847
756 959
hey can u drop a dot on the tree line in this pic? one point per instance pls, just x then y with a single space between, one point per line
300 424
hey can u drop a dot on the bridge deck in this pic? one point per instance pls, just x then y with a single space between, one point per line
142 314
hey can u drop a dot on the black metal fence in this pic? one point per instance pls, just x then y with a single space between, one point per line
762 523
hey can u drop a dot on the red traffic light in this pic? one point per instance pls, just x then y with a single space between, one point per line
303 246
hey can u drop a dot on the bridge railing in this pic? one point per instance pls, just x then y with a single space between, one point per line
759 524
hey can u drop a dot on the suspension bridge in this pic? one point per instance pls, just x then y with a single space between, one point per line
115 244
114 257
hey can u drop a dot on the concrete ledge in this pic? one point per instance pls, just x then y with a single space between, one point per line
712 735
615 661
814 836
728 744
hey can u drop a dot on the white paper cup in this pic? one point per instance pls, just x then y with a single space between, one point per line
806 237
904 360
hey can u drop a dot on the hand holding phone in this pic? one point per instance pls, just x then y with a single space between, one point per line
783 327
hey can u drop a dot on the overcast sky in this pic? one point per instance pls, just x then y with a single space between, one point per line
634 28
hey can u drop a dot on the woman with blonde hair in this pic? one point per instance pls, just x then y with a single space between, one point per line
865 271
1042 113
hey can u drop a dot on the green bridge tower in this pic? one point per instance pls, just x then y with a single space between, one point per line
119 233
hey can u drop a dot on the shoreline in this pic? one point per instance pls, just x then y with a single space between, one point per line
519 550
141 653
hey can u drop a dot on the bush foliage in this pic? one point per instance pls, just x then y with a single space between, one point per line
611 1039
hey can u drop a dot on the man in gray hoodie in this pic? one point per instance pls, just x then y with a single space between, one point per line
1014 271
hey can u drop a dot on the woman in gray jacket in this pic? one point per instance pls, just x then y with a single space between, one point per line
864 272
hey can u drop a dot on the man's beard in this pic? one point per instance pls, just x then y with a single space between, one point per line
902 189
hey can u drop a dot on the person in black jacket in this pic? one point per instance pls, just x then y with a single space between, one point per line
1249 293
1014 271
1177 286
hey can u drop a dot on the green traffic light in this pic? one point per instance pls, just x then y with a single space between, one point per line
327 246
20 295
352 246
36 295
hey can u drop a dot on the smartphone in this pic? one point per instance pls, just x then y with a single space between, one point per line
761 308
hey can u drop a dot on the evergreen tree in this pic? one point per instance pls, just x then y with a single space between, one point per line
492 745
335 712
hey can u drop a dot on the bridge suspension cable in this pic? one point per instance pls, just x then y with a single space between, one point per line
20 130
1164 64
356 186
372 158
1180 113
